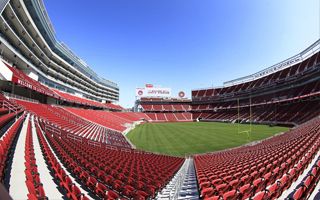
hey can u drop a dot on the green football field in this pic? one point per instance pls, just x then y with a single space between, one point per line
185 138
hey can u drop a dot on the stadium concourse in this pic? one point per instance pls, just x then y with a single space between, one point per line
62 136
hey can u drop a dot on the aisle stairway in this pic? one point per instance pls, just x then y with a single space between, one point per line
18 188
183 185
189 189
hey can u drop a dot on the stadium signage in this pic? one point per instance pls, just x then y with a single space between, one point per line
153 92
181 94
140 92
277 67
25 84
149 85
30 86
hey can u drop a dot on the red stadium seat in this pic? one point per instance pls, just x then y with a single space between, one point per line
299 194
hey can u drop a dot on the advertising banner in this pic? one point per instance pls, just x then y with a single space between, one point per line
153 92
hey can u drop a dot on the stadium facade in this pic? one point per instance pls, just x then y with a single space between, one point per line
29 43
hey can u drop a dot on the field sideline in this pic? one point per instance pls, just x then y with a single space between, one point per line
185 138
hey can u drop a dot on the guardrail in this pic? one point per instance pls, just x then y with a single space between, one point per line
52 129
9 106
94 143
74 137
3 4
14 96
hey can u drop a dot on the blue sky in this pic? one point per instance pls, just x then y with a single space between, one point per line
183 44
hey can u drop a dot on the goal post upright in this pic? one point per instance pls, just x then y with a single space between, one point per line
238 115
248 131
250 114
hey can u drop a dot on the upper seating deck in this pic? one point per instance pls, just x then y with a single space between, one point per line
84 101
272 80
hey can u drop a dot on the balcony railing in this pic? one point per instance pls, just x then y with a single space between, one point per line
3 4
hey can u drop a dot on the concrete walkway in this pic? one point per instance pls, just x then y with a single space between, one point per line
18 188
50 187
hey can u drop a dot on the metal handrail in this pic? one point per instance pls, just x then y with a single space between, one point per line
94 143
74 137
52 129
14 96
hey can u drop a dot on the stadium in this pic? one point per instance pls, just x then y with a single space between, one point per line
63 134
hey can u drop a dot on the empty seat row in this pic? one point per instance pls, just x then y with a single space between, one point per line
166 107
297 70
84 101
170 117
6 150
125 173
104 118
114 120
33 182
309 183
75 125
290 112
270 165
69 189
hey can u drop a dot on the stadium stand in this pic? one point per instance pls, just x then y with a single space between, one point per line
262 171
132 116
170 117
33 182
307 187
8 111
66 183
75 99
113 120
166 110
6 145
166 107
23 80
114 107
74 125
131 173
29 39
87 102
289 95
70 145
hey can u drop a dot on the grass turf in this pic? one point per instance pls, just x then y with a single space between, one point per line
185 138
